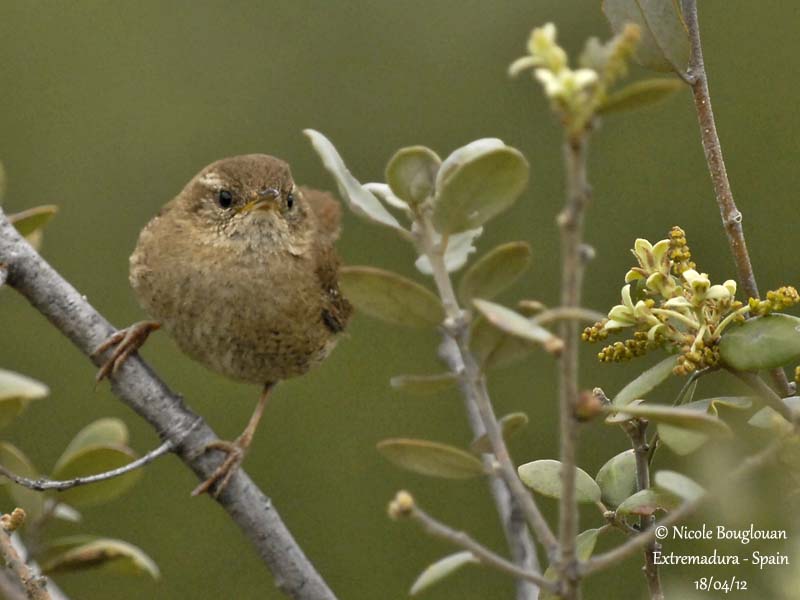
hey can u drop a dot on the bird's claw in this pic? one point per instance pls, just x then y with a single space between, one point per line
222 474
124 342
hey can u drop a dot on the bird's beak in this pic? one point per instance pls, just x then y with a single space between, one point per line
263 200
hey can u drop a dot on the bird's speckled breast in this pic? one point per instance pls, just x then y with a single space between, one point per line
253 316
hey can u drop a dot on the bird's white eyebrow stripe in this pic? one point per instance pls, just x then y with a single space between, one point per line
211 180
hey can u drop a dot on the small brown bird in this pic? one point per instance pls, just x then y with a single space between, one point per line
240 269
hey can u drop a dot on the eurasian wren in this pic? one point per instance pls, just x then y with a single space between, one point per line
240 269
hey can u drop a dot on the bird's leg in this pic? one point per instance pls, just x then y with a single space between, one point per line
235 450
125 342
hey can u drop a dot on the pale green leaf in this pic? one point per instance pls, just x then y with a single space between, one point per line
494 348
765 342
644 383
459 247
640 94
544 477
391 297
115 555
431 458
91 460
617 478
677 416
361 201
440 569
495 271
424 384
15 460
411 173
478 189
515 324
32 219
769 418
584 546
647 502
679 485
102 432
16 392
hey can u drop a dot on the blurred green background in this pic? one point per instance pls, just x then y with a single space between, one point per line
108 108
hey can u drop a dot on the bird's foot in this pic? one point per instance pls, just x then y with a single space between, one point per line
125 342
235 451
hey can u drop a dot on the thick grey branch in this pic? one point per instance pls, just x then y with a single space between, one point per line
139 387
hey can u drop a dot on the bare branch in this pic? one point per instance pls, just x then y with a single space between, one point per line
43 484
138 386
35 587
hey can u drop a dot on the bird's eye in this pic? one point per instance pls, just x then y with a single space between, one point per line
225 198
290 200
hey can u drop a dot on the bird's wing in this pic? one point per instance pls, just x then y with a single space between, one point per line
327 210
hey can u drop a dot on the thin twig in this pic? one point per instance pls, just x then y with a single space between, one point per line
479 551
637 432
456 327
35 587
139 387
731 217
570 222
43 484
636 543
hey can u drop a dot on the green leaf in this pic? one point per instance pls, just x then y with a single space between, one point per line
683 441
769 418
91 460
640 94
764 342
33 219
102 432
647 502
459 247
677 416
664 42
515 324
423 384
107 553
679 485
442 568
644 383
584 546
411 173
544 477
361 201
15 460
391 297
495 271
477 187
494 348
431 458
16 392
510 425
617 478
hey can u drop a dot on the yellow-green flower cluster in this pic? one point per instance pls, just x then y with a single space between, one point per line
674 306
783 297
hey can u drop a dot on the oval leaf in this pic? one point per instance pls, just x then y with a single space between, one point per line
644 383
509 425
680 485
440 569
544 477
115 555
617 478
431 458
769 418
480 188
424 384
15 460
495 271
677 416
764 342
391 297
515 324
103 432
494 348
361 201
647 502
664 41
640 94
33 219
584 546
681 441
411 173
92 460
